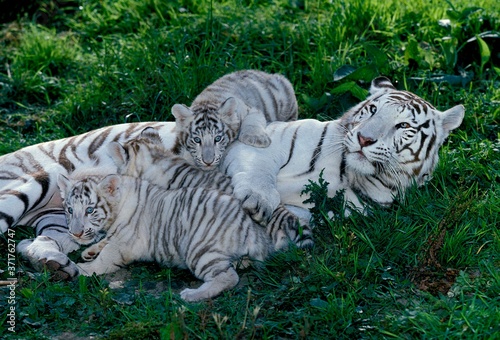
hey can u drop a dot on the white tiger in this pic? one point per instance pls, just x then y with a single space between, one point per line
375 150
238 105
202 230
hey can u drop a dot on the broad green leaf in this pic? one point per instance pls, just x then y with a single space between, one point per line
343 88
484 50
379 57
343 72
365 73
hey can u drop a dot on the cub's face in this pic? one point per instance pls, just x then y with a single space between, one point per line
86 212
205 132
207 141
396 134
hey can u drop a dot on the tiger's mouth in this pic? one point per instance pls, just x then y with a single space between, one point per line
83 239
359 162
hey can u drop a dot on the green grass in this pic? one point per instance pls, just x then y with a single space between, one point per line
428 267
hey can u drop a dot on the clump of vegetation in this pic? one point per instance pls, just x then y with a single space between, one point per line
426 267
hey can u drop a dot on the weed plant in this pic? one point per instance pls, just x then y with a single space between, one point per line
428 267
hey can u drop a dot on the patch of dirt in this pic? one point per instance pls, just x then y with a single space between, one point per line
430 275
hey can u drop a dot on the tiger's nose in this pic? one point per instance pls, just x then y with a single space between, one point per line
365 141
77 234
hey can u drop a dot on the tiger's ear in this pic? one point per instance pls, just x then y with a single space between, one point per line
110 185
229 113
118 154
64 183
151 135
381 84
452 118
183 115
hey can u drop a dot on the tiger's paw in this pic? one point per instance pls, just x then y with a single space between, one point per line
43 254
93 251
259 209
258 140
89 255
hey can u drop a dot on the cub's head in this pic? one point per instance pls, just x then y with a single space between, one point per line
88 212
395 135
205 131
135 157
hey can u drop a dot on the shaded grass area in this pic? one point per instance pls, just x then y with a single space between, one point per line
428 267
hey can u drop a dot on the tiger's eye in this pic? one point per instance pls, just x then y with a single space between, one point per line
70 210
217 139
403 125
89 210
197 140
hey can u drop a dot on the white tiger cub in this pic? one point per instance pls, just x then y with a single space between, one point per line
202 230
238 105
145 157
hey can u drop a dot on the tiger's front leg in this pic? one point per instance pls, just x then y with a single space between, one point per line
253 129
48 250
44 252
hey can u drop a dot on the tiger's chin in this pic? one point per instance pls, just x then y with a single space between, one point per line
83 241
358 163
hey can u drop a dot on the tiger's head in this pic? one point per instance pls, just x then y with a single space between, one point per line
205 131
87 212
395 135
135 157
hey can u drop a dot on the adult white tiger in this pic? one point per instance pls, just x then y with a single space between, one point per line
377 148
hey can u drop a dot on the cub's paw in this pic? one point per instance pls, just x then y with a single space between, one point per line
194 295
258 140
89 255
43 253
93 251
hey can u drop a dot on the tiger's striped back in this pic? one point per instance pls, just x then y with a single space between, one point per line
202 230
238 105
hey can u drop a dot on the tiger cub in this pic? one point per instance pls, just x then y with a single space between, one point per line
238 105
145 157
202 230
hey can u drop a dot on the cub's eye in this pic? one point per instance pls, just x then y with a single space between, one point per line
373 109
89 210
70 210
217 139
197 140
403 125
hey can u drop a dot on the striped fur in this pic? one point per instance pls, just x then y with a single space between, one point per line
375 151
202 230
145 157
238 105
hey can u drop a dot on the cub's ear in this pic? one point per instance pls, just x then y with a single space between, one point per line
183 115
118 154
110 185
230 112
151 135
452 118
64 183
381 84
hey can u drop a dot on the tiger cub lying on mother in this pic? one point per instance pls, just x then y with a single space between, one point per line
376 150
238 105
202 230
